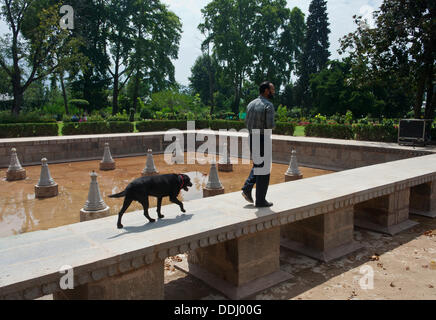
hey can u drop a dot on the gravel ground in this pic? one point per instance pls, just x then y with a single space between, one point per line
404 267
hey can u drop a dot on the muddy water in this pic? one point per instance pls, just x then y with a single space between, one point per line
20 212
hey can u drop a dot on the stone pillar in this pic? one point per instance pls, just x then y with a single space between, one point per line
387 214
213 186
15 170
423 199
46 186
239 267
150 168
324 237
107 163
95 207
224 164
145 283
293 172
178 155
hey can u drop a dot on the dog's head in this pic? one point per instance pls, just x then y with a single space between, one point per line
186 182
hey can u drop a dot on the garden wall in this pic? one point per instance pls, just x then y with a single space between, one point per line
312 152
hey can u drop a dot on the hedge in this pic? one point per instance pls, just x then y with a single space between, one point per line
335 131
375 132
120 126
18 130
284 128
7 117
77 128
164 125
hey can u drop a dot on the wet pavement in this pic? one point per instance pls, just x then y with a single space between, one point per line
20 212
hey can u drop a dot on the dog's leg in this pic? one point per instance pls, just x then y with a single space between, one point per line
177 201
145 205
159 203
126 204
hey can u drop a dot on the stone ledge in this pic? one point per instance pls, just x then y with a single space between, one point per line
92 245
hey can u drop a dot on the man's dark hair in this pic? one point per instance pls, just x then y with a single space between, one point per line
265 85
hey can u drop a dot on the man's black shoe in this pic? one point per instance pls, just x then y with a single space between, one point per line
247 196
265 204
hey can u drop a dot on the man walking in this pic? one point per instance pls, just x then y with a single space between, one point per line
260 115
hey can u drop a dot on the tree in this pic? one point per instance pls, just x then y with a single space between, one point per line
203 78
158 33
121 43
28 53
400 48
229 26
334 91
316 48
272 43
91 81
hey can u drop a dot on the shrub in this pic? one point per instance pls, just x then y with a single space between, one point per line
17 130
146 114
77 128
282 114
79 103
284 128
226 124
118 117
433 134
335 131
28 117
160 125
120 126
376 132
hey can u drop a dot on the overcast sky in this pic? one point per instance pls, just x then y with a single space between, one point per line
340 13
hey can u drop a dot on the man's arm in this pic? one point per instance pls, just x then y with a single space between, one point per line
269 121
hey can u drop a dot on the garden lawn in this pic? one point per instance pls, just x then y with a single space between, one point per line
299 131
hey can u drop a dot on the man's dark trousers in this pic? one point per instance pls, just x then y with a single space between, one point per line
261 181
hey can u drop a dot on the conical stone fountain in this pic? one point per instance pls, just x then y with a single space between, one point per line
213 186
107 163
150 168
293 173
224 164
46 187
15 171
95 207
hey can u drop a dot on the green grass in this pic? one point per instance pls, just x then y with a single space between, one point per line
299 131
60 126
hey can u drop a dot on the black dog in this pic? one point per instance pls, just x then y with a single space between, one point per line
160 186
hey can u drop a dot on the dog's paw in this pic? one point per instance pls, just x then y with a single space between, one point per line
161 216
151 220
120 226
183 210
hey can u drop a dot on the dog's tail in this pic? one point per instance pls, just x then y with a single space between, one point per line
118 195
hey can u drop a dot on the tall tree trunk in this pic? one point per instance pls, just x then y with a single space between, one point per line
211 85
429 106
235 109
135 91
18 100
115 94
419 96
16 78
64 93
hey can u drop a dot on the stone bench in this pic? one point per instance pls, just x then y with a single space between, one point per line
232 246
